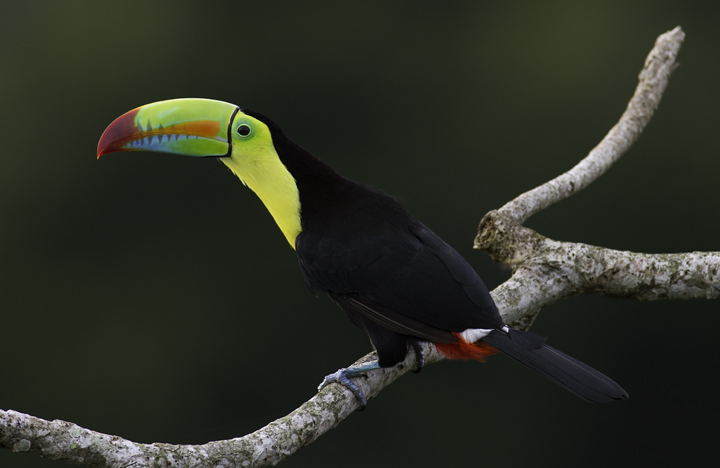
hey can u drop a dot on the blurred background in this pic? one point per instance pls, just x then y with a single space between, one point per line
152 296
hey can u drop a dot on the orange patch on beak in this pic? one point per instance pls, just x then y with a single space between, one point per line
124 130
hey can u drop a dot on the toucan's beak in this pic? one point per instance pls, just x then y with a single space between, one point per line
191 127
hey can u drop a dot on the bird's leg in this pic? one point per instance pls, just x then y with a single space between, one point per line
419 355
343 377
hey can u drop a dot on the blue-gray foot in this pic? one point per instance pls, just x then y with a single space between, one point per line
420 356
343 377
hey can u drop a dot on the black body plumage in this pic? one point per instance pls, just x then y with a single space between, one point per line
399 281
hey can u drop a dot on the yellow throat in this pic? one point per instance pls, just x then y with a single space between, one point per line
258 166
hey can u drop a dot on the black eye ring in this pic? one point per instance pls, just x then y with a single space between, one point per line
244 130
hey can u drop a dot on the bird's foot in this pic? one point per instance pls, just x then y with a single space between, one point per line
343 377
420 357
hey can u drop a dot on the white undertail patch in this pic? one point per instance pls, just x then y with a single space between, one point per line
471 335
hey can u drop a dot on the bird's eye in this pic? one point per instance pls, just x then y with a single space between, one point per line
243 130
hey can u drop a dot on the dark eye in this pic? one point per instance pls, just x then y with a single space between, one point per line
243 130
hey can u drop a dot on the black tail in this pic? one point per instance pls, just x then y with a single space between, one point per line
582 380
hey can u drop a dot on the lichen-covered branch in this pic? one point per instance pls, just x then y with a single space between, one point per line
645 277
546 270
269 445
652 83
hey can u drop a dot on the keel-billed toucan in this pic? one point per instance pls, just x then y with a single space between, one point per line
393 277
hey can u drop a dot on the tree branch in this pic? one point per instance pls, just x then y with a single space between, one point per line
653 80
545 271
60 440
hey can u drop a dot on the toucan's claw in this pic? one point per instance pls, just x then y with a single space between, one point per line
343 377
420 357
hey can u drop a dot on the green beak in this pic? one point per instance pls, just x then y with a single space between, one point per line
191 127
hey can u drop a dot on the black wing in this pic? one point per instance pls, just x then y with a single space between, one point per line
406 280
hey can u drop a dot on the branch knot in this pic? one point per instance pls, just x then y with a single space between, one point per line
505 240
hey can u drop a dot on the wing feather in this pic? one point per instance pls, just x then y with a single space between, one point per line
409 281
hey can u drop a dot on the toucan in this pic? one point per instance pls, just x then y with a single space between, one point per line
393 277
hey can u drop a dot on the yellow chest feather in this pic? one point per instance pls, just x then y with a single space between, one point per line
268 177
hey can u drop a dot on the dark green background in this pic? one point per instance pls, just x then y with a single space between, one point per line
152 296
